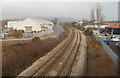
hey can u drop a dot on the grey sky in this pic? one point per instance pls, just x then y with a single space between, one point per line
60 0
77 10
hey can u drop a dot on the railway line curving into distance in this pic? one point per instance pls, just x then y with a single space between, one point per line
67 59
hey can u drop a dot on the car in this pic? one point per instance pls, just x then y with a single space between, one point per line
107 42
118 44
106 34
115 38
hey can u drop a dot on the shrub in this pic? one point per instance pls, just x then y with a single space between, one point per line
88 32
36 39
63 35
16 34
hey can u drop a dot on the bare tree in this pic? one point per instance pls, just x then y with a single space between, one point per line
92 16
55 20
99 15
101 19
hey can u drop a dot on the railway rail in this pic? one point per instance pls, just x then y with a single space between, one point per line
66 59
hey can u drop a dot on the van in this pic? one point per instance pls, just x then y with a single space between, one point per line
115 38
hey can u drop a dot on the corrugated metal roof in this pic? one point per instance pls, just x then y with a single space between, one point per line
39 20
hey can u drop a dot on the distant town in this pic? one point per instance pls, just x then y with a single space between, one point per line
30 26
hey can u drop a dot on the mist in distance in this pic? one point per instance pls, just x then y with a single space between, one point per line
67 10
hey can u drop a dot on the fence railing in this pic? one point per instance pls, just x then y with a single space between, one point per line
108 50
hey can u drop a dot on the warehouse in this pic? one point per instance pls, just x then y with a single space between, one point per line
10 24
33 25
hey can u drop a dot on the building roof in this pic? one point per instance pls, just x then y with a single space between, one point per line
112 26
40 21
29 21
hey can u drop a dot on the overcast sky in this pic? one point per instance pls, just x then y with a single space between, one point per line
74 8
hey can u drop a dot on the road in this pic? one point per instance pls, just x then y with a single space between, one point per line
67 59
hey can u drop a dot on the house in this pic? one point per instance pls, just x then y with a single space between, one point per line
33 25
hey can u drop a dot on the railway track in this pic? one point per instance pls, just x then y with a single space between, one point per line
67 59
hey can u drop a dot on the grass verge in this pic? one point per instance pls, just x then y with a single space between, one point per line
98 62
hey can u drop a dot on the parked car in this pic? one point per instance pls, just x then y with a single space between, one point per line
107 42
106 34
118 45
115 38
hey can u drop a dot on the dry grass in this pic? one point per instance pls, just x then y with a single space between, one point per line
99 63
14 34
18 57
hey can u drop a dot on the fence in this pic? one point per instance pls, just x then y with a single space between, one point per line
108 50
32 35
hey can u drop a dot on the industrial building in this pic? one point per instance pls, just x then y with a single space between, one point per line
31 25
10 24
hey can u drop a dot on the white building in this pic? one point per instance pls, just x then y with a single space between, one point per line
31 24
10 24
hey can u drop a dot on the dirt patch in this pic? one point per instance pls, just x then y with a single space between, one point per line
99 63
